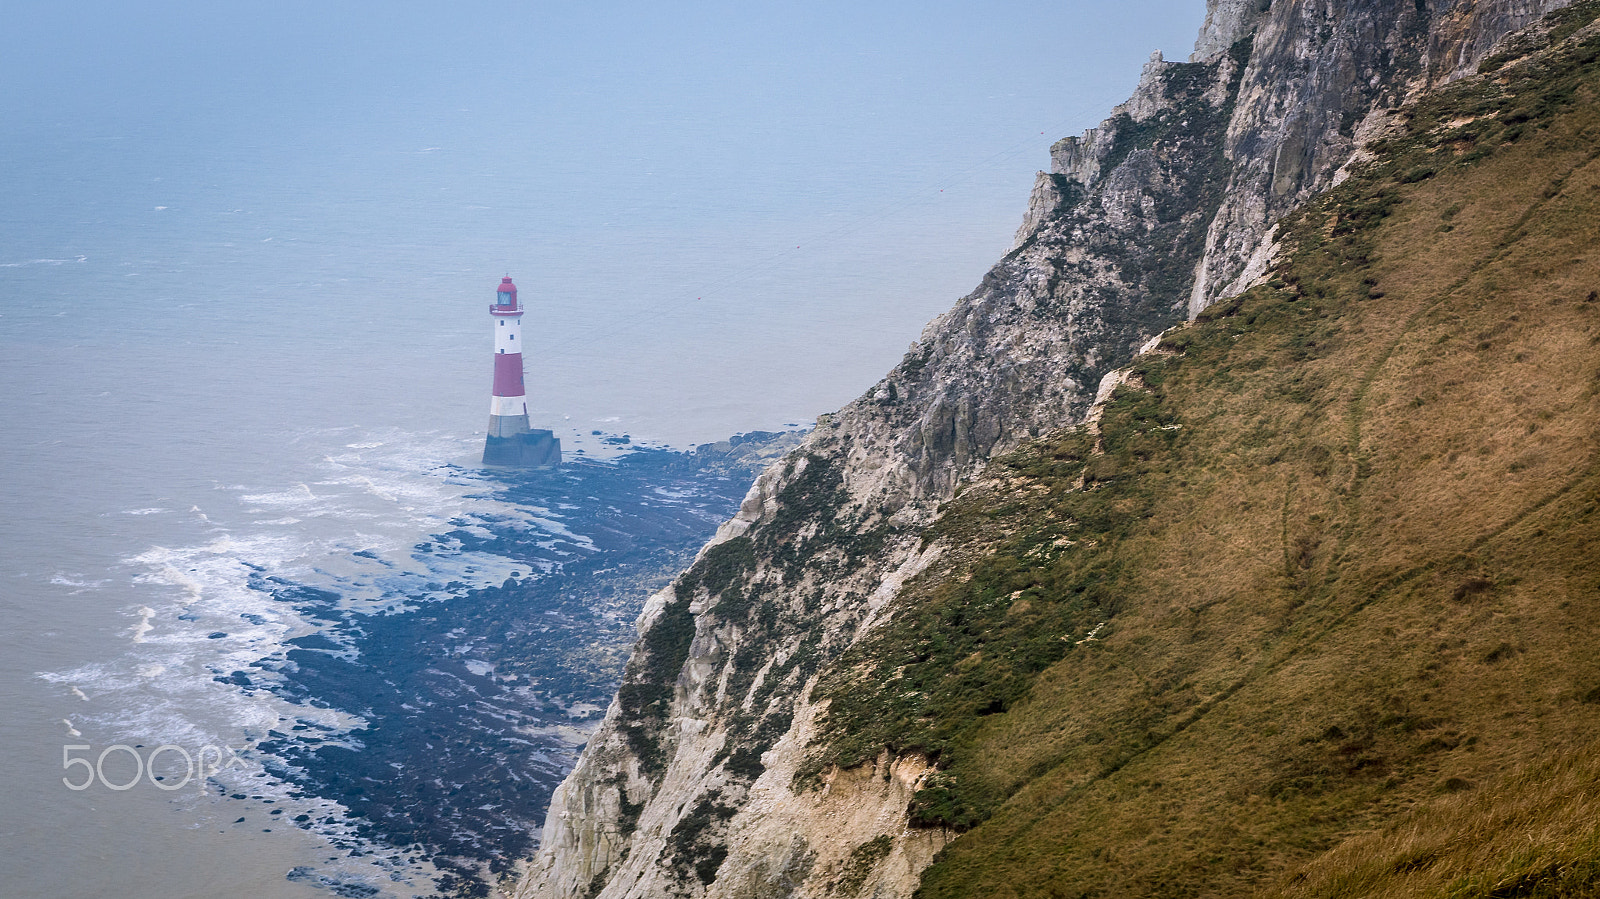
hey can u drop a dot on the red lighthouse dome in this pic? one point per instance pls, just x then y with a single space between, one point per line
505 298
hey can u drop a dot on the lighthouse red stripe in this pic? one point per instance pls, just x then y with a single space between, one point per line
508 374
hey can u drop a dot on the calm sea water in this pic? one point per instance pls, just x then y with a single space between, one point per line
241 346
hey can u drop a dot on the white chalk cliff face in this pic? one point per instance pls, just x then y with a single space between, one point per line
702 780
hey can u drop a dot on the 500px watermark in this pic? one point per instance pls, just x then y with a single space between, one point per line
121 767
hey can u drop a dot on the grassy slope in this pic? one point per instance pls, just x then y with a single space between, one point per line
1344 540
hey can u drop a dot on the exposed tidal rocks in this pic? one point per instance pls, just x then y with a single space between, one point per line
475 703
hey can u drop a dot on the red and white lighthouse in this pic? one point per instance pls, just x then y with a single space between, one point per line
510 440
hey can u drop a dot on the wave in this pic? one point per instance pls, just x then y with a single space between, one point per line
44 262
239 599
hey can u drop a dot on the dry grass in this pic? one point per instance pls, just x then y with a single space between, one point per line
1535 832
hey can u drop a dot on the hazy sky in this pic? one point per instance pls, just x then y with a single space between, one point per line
744 90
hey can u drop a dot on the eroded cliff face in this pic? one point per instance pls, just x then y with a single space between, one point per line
705 777
1321 78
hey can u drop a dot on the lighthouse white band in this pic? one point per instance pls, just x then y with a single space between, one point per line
508 335
508 405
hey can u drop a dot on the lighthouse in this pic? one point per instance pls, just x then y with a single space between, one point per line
510 440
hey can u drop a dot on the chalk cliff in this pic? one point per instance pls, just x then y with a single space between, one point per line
711 774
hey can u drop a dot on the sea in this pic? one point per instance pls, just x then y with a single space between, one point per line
270 629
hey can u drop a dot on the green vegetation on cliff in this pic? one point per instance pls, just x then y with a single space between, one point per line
1318 609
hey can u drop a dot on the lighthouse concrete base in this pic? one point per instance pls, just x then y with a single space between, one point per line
529 449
